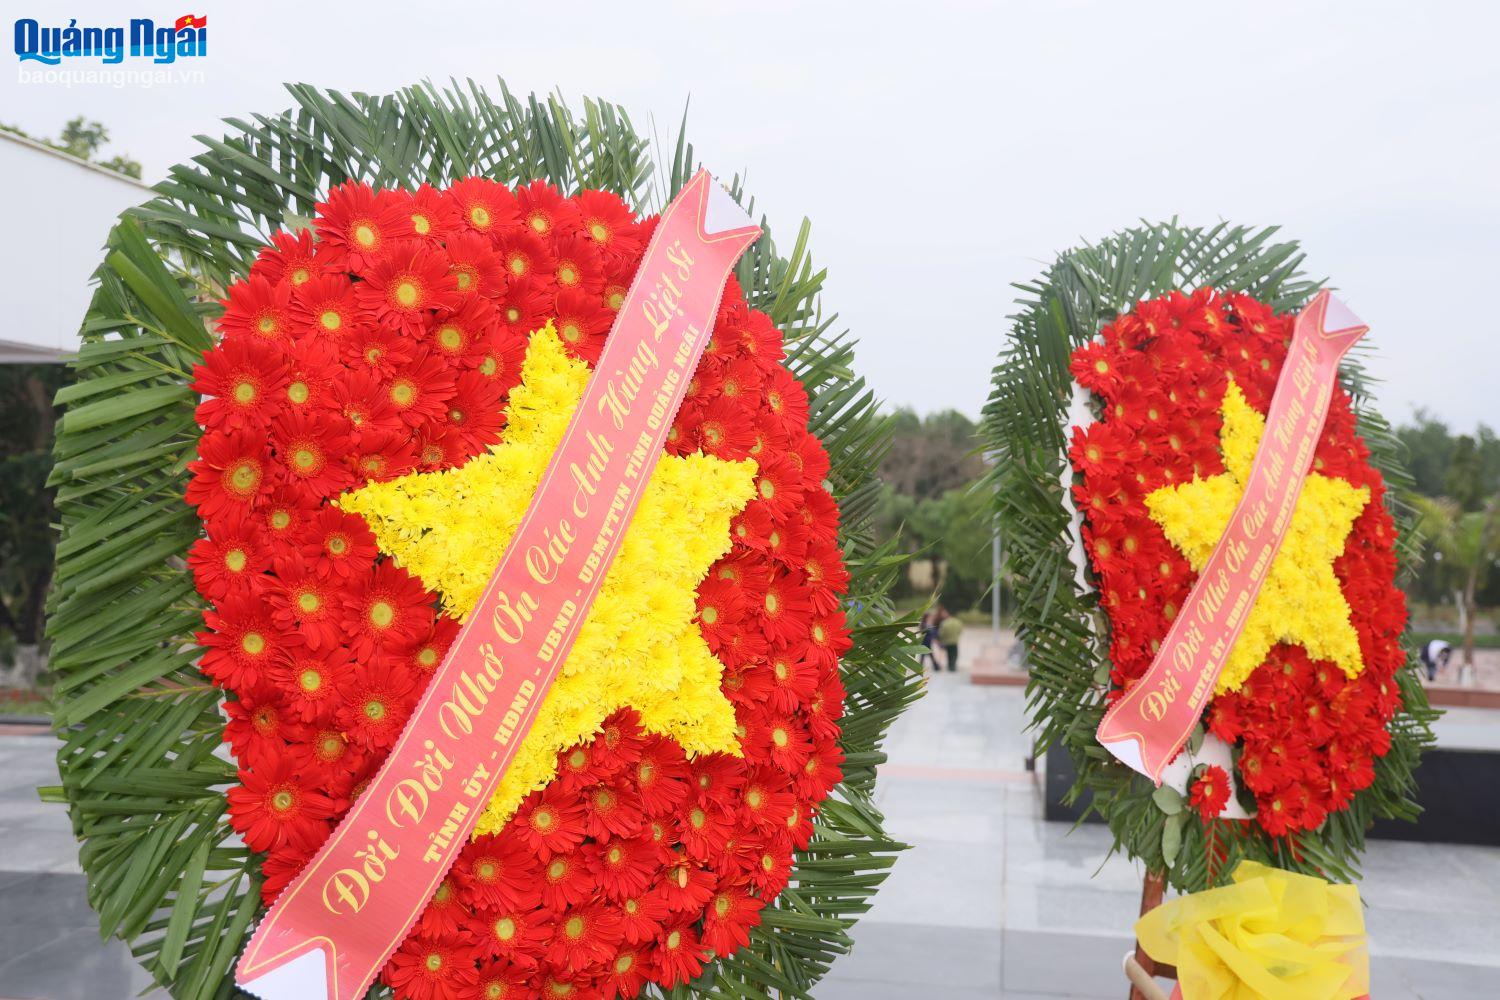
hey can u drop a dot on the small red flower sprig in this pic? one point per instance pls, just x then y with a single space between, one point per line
1307 735
385 340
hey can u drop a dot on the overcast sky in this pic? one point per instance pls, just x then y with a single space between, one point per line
944 150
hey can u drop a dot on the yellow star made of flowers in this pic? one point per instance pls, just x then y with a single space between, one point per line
639 645
1300 601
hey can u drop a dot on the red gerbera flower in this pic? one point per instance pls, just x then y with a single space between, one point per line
498 357
278 869
565 880
445 915
342 543
428 652
242 377
286 514
377 350
785 398
523 308
610 811
313 363
476 411
577 265
731 914
403 289
687 885
497 980
497 874
376 703
517 937
275 806
305 602
229 473
307 682
604 218
484 206
627 973
310 448
772 870
432 215
476 268
624 866
524 256
679 954
455 334
784 612
584 936
325 306
430 969
384 454
550 822
421 388
661 776
241 644
256 308
1210 792
230 560
356 226
386 609
543 208
291 256
255 731
442 446
641 917
359 397
726 429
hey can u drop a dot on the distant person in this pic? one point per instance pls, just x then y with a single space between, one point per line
1435 657
949 629
929 639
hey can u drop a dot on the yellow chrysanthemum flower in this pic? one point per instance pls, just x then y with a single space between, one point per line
640 645
1300 601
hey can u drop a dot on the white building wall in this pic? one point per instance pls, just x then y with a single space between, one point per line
58 213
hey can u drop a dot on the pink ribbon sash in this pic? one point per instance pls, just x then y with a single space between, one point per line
1148 725
339 921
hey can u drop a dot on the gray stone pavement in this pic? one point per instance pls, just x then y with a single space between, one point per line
990 902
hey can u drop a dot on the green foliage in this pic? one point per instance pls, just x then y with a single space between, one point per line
83 138
1457 470
26 420
1468 542
1060 622
141 727
927 500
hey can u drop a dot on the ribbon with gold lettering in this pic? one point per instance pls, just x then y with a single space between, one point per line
1149 724
337 923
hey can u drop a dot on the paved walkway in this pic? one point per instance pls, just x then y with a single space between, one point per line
990 902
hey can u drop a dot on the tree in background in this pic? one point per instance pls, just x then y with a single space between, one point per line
27 418
928 480
83 138
1453 474
1469 543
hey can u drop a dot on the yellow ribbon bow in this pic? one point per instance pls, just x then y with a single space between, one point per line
1271 934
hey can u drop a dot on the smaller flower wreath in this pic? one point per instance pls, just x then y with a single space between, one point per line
1316 720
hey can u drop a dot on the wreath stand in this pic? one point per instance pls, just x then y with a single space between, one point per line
1141 969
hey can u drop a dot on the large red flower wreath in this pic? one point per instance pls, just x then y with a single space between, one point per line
385 342
1305 733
